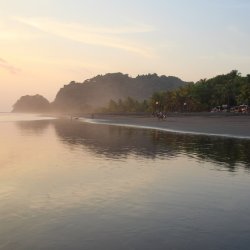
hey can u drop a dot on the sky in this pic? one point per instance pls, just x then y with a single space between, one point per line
45 44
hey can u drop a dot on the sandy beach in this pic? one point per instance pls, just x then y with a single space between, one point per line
235 126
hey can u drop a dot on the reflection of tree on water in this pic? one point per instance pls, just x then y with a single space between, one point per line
35 127
216 149
112 141
117 142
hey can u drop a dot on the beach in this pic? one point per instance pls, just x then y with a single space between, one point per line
235 126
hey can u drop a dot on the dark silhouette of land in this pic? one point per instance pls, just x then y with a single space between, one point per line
117 92
98 91
28 103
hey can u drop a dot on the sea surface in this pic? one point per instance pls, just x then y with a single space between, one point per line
65 184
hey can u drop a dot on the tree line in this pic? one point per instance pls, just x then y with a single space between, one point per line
127 105
230 89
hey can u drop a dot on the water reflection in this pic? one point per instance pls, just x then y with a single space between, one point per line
118 142
35 127
70 185
113 142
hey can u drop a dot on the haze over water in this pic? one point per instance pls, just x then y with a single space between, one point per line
71 185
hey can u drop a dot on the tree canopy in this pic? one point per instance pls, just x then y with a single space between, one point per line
230 89
99 90
28 103
117 92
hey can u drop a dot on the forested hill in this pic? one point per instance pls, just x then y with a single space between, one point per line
33 104
99 90
118 92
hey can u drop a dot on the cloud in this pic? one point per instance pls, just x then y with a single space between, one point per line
6 66
101 36
2 60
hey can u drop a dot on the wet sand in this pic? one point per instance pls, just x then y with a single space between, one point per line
213 125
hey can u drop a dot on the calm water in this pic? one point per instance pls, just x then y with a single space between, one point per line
70 185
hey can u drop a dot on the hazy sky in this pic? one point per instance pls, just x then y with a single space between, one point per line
45 44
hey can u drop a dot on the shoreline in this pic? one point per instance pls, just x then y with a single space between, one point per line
219 125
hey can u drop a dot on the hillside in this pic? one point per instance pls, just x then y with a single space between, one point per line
33 104
99 90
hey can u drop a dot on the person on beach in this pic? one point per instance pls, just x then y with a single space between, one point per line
161 115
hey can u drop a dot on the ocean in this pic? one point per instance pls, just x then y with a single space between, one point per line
66 184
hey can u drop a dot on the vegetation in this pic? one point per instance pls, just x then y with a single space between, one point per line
127 105
98 91
118 92
230 90
35 103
